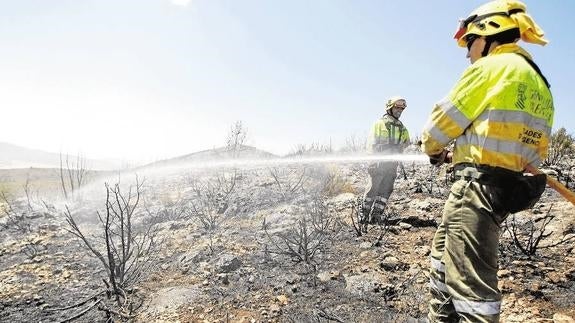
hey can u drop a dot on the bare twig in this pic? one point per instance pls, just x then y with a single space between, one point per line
15 217
309 235
82 312
285 183
330 317
73 175
80 303
125 253
529 237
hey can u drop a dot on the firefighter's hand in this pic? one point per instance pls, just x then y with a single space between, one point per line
444 156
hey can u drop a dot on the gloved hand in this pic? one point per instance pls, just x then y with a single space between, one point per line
445 156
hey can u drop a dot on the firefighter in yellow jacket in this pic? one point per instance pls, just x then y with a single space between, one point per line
500 115
388 136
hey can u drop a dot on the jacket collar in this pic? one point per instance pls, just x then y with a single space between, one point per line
510 48
391 117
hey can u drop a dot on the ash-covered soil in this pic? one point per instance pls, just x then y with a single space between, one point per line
240 259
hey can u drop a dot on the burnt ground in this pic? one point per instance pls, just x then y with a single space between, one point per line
241 271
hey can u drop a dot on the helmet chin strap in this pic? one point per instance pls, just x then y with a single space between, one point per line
488 42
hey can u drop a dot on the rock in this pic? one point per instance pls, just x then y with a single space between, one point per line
173 297
562 318
503 273
227 263
517 263
387 254
369 254
362 283
423 250
365 245
223 278
326 276
389 263
323 276
554 278
424 205
505 285
392 259
205 268
405 226
282 299
191 257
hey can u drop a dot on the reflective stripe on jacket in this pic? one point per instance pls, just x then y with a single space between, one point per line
500 113
388 134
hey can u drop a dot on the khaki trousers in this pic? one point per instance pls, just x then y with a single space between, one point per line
464 256
383 175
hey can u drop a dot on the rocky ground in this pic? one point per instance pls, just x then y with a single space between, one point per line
223 251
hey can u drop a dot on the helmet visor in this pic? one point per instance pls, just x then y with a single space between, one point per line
400 104
463 26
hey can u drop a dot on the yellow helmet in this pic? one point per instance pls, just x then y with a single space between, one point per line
498 16
395 100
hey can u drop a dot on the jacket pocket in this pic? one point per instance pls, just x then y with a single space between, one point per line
458 188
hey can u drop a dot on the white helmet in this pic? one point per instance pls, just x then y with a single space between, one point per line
395 101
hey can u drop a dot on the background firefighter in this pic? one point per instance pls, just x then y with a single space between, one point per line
500 114
387 136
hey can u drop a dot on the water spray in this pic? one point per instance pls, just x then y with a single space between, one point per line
272 162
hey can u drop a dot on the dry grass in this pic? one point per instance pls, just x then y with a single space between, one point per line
335 184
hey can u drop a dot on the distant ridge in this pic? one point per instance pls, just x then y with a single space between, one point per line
15 157
216 154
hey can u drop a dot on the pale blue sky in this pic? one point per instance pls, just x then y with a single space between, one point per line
153 79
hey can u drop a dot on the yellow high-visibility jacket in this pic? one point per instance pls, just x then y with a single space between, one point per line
500 113
388 134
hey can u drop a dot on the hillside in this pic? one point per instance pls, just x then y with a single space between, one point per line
221 155
263 244
213 155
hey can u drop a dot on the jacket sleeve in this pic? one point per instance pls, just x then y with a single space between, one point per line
451 116
379 136
372 139
404 140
